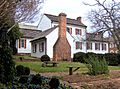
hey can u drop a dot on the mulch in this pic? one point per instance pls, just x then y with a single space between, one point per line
85 81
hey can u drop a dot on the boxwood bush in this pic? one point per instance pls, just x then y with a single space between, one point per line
36 79
54 83
29 82
45 58
21 70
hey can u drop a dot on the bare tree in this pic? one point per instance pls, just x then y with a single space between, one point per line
14 11
106 17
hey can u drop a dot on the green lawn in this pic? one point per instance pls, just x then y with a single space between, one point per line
62 67
25 57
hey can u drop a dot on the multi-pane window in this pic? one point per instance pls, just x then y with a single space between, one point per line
22 43
34 48
89 45
78 31
103 46
97 46
69 30
78 45
41 47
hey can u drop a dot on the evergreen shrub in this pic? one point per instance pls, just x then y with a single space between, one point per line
79 57
7 64
23 79
21 70
45 58
96 66
112 59
36 79
54 83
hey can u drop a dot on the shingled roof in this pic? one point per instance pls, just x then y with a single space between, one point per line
44 33
29 33
69 21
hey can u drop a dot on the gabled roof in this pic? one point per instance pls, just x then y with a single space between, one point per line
54 18
44 33
29 33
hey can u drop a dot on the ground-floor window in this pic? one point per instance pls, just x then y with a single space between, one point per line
78 45
34 48
22 43
41 47
89 45
97 46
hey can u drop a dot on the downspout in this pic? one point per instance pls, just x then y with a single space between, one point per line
45 46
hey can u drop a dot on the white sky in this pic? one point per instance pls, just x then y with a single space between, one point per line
73 8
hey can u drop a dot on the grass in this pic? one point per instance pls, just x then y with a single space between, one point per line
25 57
114 67
62 67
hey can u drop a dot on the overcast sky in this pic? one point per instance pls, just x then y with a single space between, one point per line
73 8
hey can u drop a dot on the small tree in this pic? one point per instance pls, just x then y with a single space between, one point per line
96 66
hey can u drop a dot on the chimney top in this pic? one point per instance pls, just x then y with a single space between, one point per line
79 19
62 14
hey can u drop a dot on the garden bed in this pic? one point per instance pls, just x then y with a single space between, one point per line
84 81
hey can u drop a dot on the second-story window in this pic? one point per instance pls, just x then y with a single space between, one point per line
78 31
97 46
103 46
69 30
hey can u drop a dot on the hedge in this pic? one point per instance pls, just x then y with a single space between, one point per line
112 58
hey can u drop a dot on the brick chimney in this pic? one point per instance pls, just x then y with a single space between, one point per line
62 48
79 19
